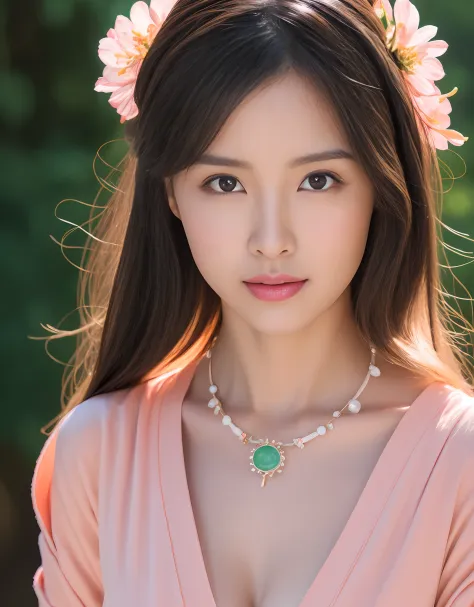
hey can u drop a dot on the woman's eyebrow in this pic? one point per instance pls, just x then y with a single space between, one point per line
315 157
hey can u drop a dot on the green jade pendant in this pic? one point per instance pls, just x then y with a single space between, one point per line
266 459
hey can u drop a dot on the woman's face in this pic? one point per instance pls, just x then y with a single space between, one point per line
251 207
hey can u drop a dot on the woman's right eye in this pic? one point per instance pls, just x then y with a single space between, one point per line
223 184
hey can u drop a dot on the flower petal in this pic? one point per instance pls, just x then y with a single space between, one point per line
441 121
121 95
120 77
103 85
123 25
436 116
421 85
123 101
159 10
445 106
431 69
431 105
109 49
407 14
140 17
435 48
454 137
123 29
439 142
423 35
449 135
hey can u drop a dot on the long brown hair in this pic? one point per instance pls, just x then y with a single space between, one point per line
145 308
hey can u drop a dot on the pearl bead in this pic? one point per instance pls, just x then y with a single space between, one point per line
213 389
208 354
226 420
374 371
354 406
321 430
330 426
217 409
336 414
212 403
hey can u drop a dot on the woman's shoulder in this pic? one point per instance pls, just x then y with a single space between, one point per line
102 414
88 443
96 427
452 429
455 412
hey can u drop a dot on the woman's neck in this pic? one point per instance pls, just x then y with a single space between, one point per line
278 374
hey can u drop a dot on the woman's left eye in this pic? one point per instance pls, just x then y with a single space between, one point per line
320 182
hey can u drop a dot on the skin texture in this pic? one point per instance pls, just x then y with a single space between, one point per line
281 367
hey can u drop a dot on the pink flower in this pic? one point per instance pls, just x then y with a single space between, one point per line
434 111
123 51
416 52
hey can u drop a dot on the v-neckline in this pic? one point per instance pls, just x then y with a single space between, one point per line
193 580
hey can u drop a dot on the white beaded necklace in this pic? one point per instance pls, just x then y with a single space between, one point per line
268 457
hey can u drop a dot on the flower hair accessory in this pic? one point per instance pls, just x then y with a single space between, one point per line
123 52
417 57
416 54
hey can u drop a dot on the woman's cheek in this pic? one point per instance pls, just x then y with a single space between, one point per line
215 249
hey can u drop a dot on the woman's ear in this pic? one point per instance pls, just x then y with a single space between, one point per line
171 197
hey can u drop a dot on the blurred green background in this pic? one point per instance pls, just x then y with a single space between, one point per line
52 125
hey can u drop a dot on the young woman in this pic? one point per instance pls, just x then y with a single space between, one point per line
270 408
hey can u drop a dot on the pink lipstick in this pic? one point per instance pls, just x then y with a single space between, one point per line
274 288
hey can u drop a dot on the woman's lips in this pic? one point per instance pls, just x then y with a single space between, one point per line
275 292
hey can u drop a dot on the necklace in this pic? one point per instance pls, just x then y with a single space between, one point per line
268 457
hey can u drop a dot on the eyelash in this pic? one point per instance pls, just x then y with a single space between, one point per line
206 184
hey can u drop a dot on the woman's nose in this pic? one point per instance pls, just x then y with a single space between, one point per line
271 235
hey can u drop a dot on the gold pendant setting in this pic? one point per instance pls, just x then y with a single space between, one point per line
266 459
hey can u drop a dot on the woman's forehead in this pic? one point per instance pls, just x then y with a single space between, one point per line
288 117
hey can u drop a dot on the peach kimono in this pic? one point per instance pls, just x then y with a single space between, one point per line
117 528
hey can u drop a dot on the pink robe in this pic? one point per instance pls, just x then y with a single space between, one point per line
117 528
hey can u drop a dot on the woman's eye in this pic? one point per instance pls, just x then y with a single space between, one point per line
320 182
223 184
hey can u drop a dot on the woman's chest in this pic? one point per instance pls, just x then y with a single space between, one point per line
265 547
